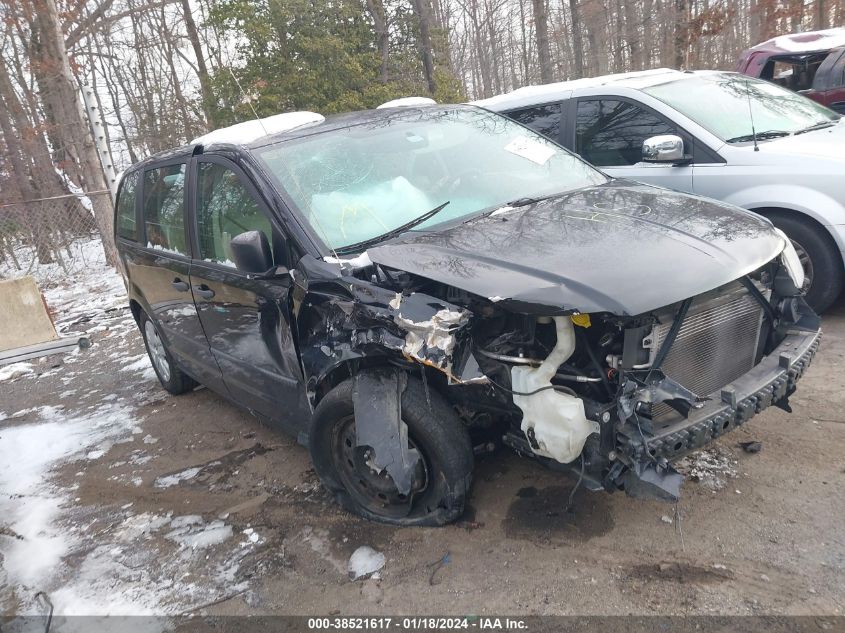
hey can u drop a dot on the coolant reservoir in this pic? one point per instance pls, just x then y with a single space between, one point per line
555 421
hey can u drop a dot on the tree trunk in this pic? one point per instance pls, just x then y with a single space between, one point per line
680 33
821 14
15 154
202 69
421 10
478 44
60 94
376 9
541 26
577 42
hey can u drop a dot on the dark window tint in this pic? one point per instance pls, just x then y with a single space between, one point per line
225 208
164 208
611 133
544 119
127 223
839 73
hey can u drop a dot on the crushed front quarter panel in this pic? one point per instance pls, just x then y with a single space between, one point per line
342 318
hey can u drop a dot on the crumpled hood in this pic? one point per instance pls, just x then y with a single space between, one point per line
622 247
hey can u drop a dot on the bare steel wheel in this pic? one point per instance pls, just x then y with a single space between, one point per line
171 377
443 474
372 488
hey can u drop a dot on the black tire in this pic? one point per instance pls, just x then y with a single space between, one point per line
174 379
825 260
435 431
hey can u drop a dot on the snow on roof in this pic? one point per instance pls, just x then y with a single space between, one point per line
248 131
807 42
407 101
547 92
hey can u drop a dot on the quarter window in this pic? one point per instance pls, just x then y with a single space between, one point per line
225 208
610 133
127 223
164 208
543 119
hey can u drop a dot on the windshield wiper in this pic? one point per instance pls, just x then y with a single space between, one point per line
359 246
523 202
526 200
817 126
760 136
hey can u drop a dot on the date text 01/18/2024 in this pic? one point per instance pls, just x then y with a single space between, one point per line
416 623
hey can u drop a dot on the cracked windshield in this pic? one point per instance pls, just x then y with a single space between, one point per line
358 183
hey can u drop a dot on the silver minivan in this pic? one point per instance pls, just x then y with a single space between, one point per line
740 140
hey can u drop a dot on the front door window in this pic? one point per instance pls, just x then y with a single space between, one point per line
225 209
610 132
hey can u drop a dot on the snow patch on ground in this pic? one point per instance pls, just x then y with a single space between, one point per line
172 480
196 535
101 560
137 363
31 506
364 562
15 370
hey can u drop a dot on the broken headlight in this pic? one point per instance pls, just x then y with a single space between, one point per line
790 260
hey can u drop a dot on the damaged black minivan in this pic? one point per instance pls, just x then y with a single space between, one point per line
397 286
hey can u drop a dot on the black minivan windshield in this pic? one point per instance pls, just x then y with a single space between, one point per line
358 183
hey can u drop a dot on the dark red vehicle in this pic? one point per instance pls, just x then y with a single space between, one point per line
811 63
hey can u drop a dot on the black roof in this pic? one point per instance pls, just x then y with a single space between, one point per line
350 119
332 122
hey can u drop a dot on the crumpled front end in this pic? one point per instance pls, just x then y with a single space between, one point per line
660 384
613 396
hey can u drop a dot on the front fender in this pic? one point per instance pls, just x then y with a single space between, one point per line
823 208
348 321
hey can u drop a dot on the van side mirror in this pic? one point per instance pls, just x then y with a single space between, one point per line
251 251
665 148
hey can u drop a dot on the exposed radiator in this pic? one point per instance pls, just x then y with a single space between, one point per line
716 344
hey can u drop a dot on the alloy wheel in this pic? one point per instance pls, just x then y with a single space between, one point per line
157 352
806 264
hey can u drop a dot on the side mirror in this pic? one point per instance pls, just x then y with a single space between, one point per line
666 148
251 252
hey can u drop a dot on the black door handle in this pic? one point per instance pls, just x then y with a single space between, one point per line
180 285
204 291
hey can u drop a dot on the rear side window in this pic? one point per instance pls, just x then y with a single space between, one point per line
225 209
164 208
543 119
610 133
127 223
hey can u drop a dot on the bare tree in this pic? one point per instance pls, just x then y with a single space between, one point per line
541 27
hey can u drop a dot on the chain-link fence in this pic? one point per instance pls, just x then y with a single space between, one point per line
51 238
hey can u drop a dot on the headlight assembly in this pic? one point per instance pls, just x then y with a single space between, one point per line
790 260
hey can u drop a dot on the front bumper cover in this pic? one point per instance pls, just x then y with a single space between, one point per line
770 381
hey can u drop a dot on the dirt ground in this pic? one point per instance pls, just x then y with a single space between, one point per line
186 504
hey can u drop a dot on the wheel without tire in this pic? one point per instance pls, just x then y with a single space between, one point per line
169 375
443 474
818 253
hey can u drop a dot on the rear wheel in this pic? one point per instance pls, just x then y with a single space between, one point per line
442 477
819 256
169 375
